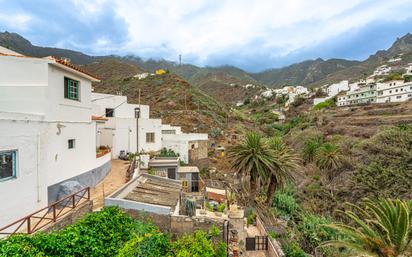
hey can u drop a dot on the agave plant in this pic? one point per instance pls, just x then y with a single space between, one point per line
383 228
310 148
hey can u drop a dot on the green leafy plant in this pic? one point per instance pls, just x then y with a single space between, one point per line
168 153
216 132
326 104
221 207
381 228
292 249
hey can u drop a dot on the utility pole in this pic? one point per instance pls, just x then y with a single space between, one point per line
180 59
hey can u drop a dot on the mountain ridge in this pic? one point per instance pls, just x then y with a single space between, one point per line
307 73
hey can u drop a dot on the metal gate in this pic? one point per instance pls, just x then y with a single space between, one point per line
256 243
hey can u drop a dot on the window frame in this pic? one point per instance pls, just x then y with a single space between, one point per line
69 92
14 164
73 145
109 110
149 138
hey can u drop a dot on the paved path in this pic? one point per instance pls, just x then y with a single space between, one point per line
114 180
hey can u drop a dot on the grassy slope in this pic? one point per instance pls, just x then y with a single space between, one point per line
376 155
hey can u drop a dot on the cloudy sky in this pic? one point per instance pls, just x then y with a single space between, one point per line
253 35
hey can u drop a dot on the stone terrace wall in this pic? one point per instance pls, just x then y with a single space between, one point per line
162 221
274 249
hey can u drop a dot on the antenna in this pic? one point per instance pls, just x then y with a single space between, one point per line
180 59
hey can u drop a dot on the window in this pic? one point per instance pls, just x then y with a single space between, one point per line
109 112
150 137
168 131
7 165
399 97
390 91
410 95
71 143
396 90
71 89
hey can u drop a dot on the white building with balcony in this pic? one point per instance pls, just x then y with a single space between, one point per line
394 91
48 135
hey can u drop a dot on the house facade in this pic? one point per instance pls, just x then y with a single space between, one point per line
394 91
119 133
48 136
363 95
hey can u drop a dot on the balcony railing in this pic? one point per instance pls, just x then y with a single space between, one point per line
43 217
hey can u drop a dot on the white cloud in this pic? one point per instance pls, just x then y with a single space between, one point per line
203 28
16 21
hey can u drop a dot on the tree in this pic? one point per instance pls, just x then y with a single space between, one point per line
328 157
310 148
285 162
253 158
383 228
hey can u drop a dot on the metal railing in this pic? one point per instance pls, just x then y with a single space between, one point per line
43 217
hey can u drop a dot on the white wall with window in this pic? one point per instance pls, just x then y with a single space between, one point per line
46 131
150 135
394 91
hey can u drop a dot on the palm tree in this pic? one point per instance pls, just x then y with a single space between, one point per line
252 157
310 148
328 157
383 228
285 162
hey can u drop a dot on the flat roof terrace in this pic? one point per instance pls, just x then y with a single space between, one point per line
148 193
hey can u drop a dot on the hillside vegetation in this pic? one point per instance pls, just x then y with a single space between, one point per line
172 99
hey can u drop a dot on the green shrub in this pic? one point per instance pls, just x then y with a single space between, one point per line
285 205
221 207
155 245
216 132
314 233
292 249
197 245
168 153
98 234
326 104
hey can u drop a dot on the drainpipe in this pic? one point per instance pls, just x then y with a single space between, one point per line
38 168
137 115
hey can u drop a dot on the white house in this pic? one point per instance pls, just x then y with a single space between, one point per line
48 135
119 132
394 91
189 146
382 70
336 88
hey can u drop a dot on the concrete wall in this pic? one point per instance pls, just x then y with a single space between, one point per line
274 249
183 224
26 192
180 143
150 126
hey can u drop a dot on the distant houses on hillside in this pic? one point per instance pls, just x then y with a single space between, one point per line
55 132
384 85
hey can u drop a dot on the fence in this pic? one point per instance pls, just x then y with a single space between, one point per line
43 217
130 171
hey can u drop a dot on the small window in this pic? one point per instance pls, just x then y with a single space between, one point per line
150 137
396 90
109 112
398 97
71 143
71 89
7 164
390 91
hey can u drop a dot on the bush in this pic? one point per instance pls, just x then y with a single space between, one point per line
197 245
292 249
97 234
154 245
221 207
326 104
313 232
285 204
168 153
216 132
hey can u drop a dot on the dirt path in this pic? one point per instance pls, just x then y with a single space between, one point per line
114 180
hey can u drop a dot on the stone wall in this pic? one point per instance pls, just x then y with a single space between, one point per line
162 221
274 249
70 217
199 152
184 224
